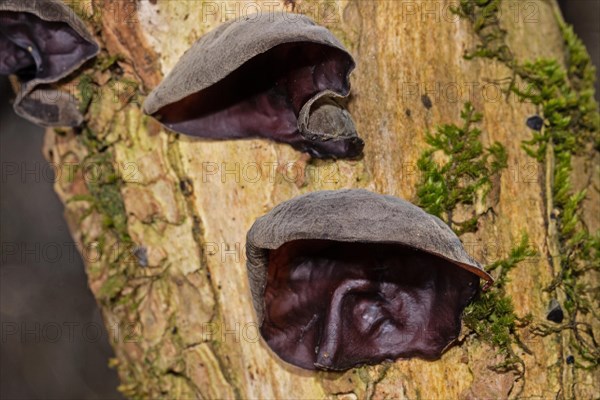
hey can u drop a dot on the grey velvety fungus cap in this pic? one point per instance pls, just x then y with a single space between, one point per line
350 215
253 76
349 277
226 48
42 42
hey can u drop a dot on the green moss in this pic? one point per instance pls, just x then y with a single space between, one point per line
88 88
104 186
115 261
118 87
460 181
112 287
118 263
564 109
565 99
484 16
86 94
464 176
103 63
491 316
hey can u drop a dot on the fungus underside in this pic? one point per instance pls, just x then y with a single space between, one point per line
40 50
283 82
336 305
375 279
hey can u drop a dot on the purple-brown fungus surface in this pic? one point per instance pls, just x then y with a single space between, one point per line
42 42
349 277
276 76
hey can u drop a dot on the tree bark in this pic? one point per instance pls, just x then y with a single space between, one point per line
161 218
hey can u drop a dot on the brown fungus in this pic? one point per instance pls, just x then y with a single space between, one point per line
277 76
350 277
42 42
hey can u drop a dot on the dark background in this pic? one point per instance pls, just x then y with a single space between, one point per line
584 15
50 345
53 342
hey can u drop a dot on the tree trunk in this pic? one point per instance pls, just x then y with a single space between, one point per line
161 218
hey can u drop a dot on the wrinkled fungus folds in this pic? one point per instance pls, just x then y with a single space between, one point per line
15 59
42 42
37 48
334 305
349 277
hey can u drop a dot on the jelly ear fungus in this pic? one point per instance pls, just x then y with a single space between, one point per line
272 75
350 277
42 42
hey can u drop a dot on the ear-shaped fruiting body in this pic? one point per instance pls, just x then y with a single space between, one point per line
273 75
41 42
350 277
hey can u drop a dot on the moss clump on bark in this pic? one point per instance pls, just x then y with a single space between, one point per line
462 179
465 176
564 97
105 198
492 317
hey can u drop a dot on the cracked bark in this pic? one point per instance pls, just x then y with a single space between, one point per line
189 203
